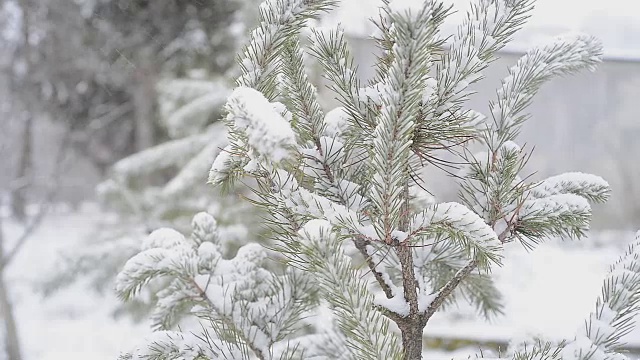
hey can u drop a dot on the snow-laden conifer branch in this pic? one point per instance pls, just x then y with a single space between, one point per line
413 30
536 349
331 50
165 253
495 186
324 165
384 41
562 215
193 169
186 106
301 95
591 187
168 154
539 350
559 206
492 184
279 20
487 28
197 112
365 329
167 345
455 223
267 131
239 297
288 194
322 151
174 167
309 171
440 262
565 55
601 335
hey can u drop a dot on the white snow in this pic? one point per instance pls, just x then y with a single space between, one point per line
461 218
336 122
373 93
163 238
75 323
220 165
368 231
570 183
425 299
267 130
431 86
549 291
555 205
397 304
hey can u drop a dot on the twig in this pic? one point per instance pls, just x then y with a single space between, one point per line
452 284
361 245
448 288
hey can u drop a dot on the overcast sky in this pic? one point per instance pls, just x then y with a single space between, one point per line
616 22
573 13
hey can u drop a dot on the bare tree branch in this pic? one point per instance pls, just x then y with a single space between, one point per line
44 204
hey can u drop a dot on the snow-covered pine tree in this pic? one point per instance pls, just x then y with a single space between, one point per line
368 256
161 186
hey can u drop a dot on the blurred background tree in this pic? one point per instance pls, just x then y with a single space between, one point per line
160 71
93 66
83 76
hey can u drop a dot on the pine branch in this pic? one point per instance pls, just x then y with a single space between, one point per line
446 290
452 284
401 96
439 261
331 50
302 95
280 20
366 331
565 55
465 229
613 317
361 244
487 28
590 187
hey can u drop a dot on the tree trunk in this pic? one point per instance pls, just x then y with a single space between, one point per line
19 201
144 98
411 331
11 340
18 197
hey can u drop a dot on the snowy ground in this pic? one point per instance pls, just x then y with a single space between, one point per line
549 291
75 323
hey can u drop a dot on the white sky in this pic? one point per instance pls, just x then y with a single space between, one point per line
572 13
616 22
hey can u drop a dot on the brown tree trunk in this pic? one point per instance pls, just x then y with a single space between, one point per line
11 338
411 327
411 331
